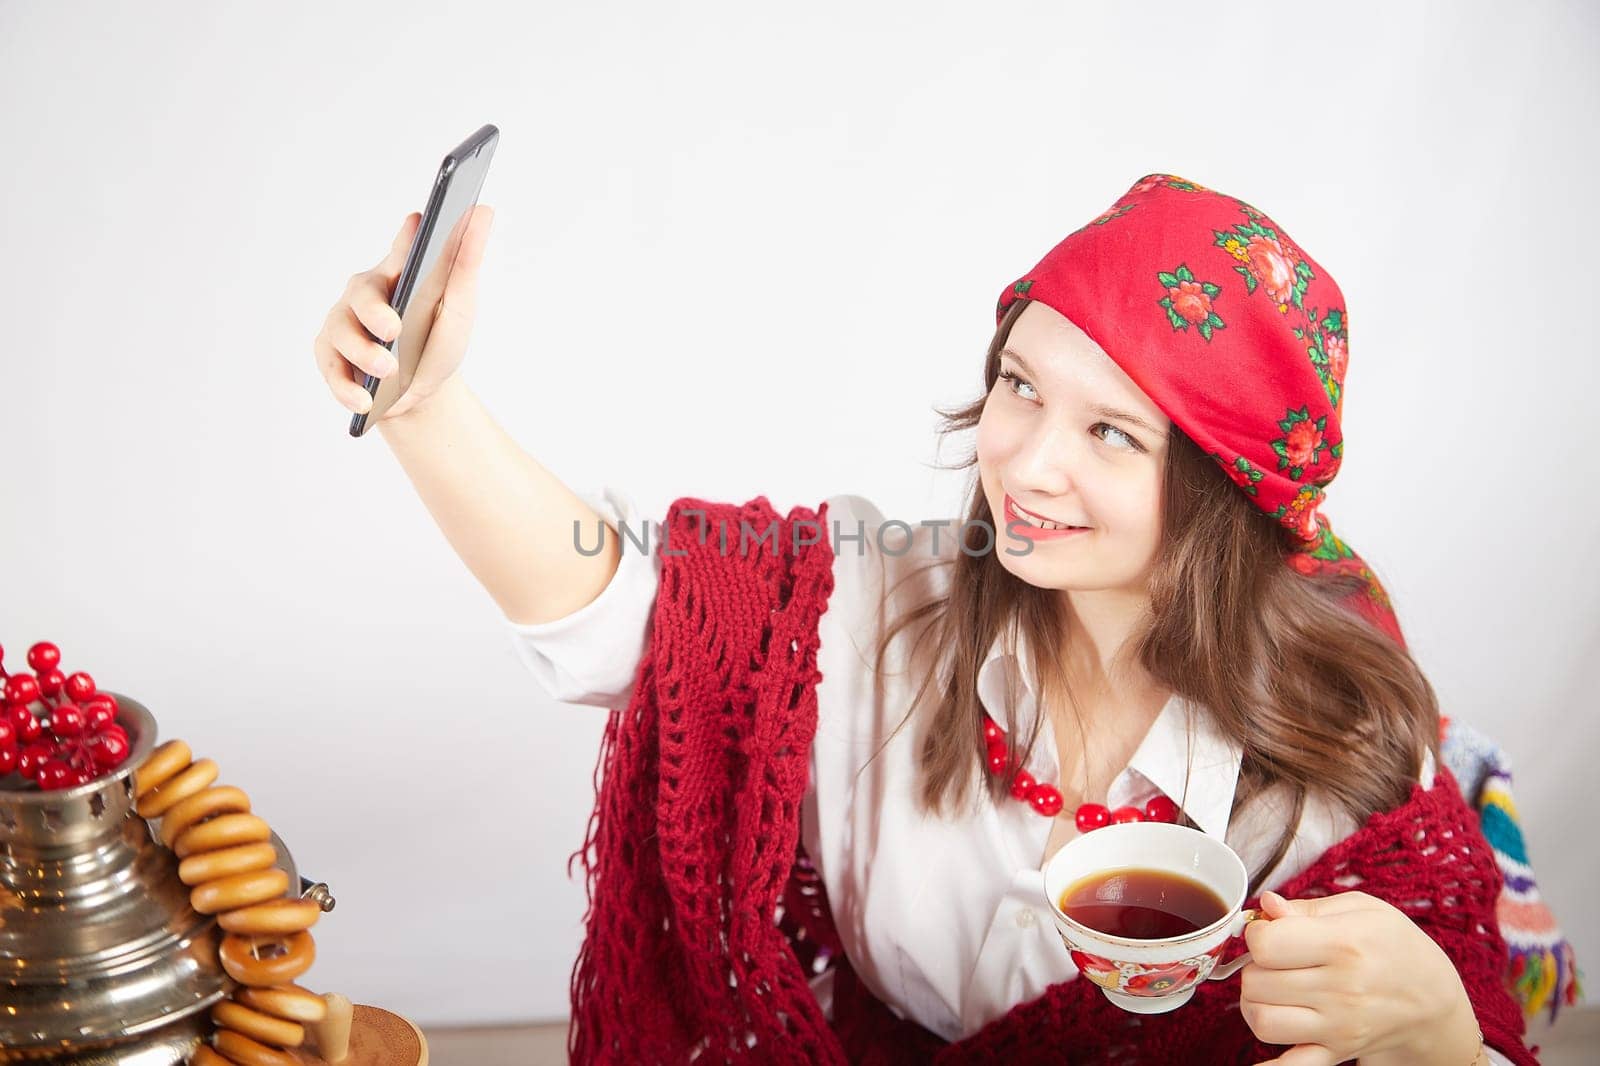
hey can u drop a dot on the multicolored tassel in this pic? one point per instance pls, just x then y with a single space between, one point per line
1542 969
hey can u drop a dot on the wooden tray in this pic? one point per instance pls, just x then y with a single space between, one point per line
377 1038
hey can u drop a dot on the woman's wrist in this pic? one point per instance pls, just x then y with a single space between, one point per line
421 413
1453 1040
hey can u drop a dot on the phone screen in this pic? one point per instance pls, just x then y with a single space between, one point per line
433 252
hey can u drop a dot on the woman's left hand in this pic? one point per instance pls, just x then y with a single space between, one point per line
1351 977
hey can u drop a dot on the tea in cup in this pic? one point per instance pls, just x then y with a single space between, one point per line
1147 910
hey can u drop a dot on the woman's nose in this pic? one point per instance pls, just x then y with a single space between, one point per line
1045 461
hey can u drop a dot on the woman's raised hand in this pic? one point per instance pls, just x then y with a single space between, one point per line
345 349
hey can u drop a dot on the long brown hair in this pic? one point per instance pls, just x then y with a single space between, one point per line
1319 698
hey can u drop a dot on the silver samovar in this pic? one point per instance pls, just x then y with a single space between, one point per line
102 959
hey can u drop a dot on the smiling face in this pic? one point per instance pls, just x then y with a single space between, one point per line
1069 437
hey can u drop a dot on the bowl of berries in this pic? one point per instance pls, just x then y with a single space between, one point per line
58 731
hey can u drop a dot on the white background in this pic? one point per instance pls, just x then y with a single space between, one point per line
741 250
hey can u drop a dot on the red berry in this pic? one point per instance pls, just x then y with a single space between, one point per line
27 727
50 682
8 732
8 760
83 775
98 713
1092 816
108 750
114 729
44 656
76 752
1023 784
992 732
1124 815
1046 799
1161 809
55 774
33 756
997 761
80 686
20 688
67 720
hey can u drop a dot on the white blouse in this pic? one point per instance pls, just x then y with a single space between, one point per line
944 918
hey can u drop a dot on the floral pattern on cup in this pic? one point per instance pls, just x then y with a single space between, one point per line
1145 979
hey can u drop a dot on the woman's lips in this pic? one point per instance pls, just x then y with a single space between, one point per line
1016 525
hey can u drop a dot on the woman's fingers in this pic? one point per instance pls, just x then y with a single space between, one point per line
457 303
350 337
1278 906
1285 987
337 372
462 288
367 294
346 354
1274 1023
1305 1055
370 302
1292 942
390 265
458 307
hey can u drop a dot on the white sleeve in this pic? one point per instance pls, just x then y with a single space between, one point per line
591 655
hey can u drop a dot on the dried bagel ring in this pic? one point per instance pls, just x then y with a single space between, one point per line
240 958
190 781
159 766
257 1025
211 865
246 1052
205 1056
279 916
240 890
223 799
285 1001
179 787
223 831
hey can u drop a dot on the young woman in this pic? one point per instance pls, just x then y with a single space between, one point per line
1142 614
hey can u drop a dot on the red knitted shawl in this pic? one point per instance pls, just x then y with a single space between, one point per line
694 837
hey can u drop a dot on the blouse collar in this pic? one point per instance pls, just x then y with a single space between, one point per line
1182 748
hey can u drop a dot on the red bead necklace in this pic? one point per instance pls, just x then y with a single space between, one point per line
1045 798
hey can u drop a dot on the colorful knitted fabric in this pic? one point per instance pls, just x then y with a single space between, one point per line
1234 331
696 829
1543 970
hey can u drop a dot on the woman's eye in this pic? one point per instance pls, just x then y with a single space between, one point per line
1106 425
1013 382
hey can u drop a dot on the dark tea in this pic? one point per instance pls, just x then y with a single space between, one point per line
1141 904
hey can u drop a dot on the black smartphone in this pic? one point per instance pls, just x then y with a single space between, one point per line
428 264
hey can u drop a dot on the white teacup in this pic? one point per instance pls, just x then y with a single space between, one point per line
1151 976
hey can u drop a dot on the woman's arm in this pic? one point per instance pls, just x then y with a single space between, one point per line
507 517
592 655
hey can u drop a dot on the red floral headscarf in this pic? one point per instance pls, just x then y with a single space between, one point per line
1232 330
